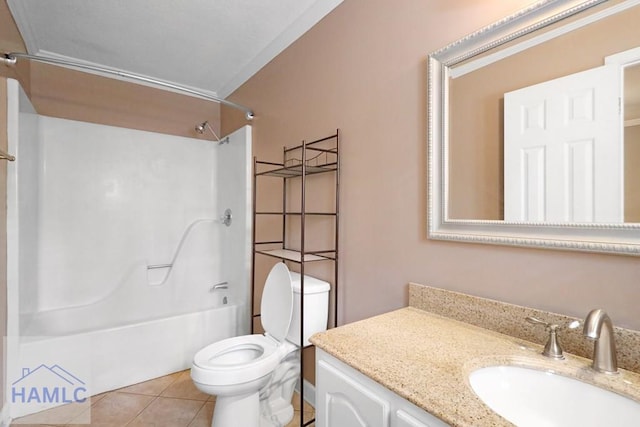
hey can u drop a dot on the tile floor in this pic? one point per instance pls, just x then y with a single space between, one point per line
170 401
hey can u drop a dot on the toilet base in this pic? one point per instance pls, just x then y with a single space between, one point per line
276 409
234 411
280 413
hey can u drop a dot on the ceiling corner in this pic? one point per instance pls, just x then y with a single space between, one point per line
27 32
300 26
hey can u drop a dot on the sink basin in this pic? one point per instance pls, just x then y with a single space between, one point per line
529 397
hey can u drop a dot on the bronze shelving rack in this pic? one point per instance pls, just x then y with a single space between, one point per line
324 158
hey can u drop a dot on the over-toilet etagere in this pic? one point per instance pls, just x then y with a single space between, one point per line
301 165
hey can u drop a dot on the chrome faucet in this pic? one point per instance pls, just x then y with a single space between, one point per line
599 328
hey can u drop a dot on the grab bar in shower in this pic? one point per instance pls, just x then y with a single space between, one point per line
153 267
179 248
221 285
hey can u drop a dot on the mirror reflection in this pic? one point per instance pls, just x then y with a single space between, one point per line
632 143
551 133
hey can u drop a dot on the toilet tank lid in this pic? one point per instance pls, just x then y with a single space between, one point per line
312 285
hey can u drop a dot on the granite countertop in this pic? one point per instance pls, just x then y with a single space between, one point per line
426 359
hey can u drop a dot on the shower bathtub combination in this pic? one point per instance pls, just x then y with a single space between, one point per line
128 251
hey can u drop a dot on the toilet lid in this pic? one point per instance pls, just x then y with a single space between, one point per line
277 302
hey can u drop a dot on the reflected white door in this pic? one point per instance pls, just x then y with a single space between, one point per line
563 149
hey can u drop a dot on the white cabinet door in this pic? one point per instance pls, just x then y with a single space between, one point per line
341 401
347 398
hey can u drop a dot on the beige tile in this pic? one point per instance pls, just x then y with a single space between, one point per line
38 425
204 416
295 401
309 411
168 412
152 387
183 388
97 397
295 422
116 409
58 415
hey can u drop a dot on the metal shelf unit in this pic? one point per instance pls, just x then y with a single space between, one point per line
325 158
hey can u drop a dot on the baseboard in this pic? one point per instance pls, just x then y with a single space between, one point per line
309 392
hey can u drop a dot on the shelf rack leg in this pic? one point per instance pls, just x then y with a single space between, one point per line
302 254
253 249
337 232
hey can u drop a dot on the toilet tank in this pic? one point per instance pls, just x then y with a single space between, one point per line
316 307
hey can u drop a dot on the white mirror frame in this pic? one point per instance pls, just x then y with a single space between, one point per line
607 238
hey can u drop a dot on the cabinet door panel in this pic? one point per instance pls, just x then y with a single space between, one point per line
344 402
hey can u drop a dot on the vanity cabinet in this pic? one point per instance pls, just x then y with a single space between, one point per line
346 397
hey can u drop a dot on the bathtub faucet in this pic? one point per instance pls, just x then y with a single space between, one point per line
218 286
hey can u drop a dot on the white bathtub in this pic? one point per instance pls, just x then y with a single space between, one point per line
108 359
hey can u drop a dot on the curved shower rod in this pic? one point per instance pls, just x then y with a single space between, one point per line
11 58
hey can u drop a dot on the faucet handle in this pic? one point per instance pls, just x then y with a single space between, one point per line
536 321
552 348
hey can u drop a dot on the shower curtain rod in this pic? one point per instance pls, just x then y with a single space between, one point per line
11 58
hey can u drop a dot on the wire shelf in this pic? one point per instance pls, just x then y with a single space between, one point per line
297 170
295 256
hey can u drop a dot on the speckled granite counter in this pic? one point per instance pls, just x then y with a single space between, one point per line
426 359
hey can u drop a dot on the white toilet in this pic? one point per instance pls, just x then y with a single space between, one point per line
253 376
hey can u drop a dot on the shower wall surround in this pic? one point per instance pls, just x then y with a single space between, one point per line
90 209
100 204
112 202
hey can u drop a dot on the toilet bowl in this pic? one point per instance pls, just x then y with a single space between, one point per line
253 376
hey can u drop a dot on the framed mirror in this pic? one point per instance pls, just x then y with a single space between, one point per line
534 130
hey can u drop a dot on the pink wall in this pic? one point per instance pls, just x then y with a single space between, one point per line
363 70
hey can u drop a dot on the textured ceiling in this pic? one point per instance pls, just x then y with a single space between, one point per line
209 45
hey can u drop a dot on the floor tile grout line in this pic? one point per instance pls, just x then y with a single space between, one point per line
122 389
197 412
185 398
81 413
158 397
180 373
142 410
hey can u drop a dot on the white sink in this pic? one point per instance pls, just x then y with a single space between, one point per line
529 397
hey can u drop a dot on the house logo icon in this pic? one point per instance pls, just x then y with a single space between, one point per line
48 384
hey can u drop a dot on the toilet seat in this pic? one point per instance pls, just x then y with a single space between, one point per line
248 357
276 306
236 360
